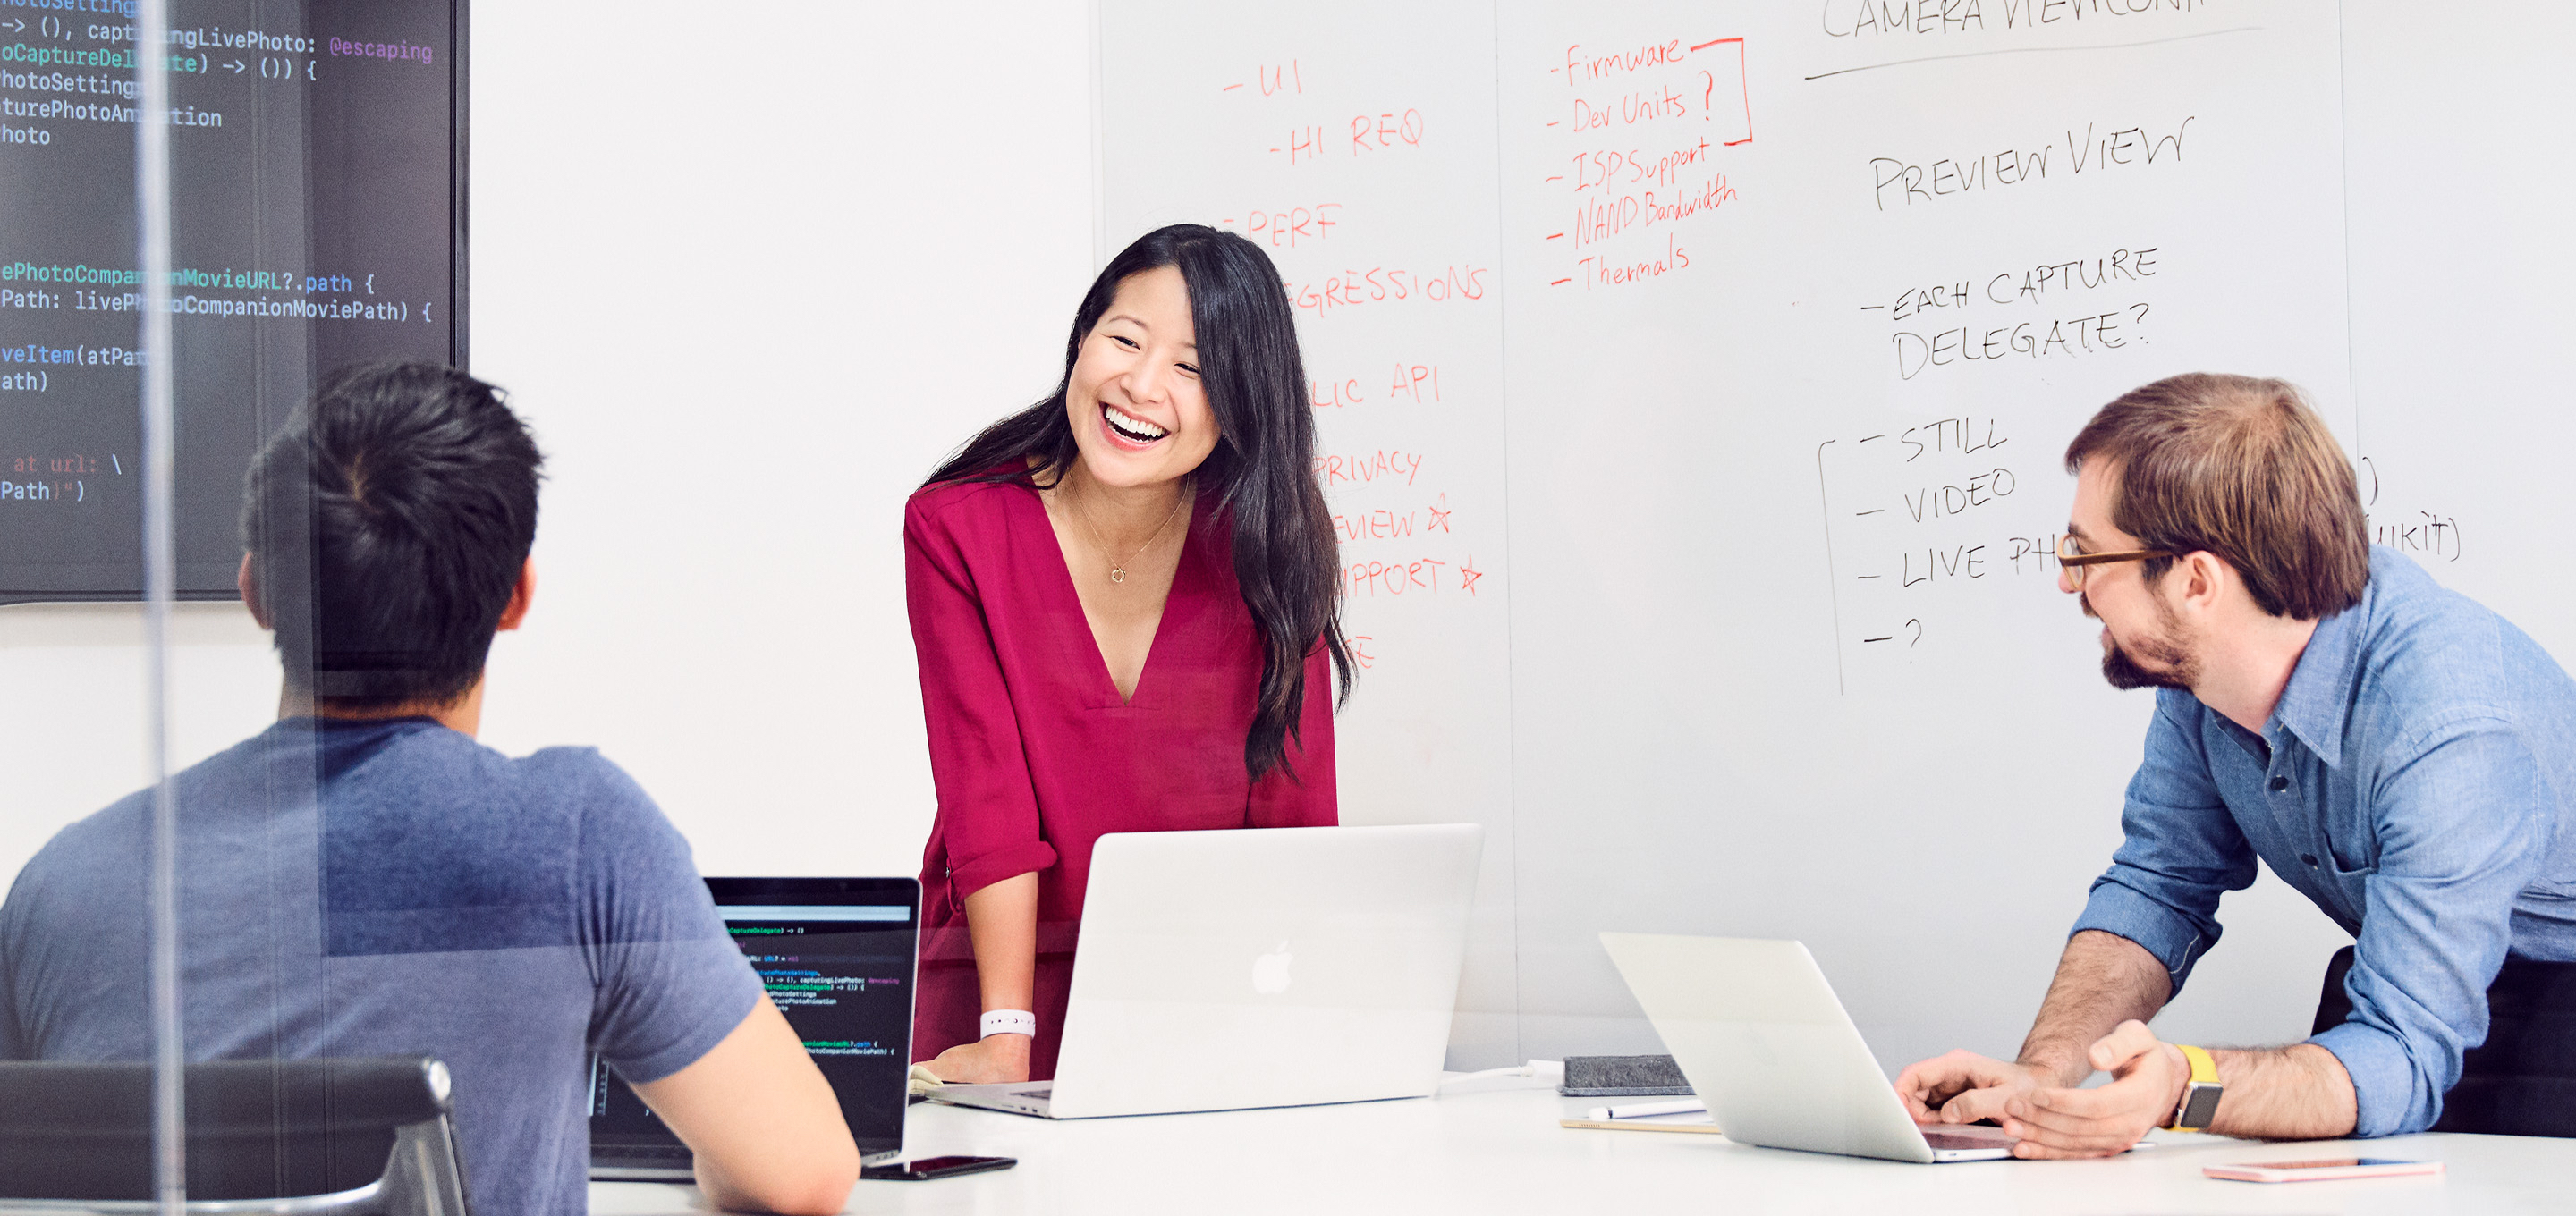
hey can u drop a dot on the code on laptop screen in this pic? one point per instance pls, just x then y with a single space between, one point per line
843 976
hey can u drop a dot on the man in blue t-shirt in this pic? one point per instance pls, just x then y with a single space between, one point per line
365 879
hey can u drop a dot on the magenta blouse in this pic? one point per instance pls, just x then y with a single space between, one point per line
1034 755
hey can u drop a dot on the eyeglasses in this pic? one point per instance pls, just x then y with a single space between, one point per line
2075 559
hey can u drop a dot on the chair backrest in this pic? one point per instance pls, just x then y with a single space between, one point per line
2522 1080
308 1136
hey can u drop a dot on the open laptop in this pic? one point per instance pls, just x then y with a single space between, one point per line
1762 1039
1276 967
837 957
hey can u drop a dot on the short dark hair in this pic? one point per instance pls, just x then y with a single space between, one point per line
2241 468
387 522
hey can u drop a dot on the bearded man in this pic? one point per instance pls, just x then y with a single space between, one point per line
2397 753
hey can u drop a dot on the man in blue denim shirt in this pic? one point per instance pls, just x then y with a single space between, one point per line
2399 754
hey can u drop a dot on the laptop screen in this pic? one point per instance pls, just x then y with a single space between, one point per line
836 955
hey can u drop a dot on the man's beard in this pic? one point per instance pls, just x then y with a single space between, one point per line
2181 667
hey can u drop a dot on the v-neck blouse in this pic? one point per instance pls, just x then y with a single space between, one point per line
1033 754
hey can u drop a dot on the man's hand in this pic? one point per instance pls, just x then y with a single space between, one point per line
1963 1087
1001 1059
2147 1079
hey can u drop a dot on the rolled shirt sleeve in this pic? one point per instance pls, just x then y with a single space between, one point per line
988 810
2452 838
2182 849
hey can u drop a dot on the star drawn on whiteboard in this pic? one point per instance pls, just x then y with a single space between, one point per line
1468 574
1439 516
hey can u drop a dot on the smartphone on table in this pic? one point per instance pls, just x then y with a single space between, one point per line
935 1167
2320 1170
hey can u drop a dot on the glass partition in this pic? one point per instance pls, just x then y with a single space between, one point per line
208 210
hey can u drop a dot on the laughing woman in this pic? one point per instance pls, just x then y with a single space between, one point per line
1124 600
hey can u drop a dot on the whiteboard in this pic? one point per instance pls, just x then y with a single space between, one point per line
2459 269
1801 777
1366 170
1795 307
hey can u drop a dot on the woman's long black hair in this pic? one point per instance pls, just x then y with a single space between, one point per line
1261 473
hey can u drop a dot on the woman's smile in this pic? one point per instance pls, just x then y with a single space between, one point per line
1129 431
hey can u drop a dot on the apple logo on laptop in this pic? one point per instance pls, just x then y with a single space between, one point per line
1270 971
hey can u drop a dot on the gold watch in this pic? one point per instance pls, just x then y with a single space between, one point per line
2199 1095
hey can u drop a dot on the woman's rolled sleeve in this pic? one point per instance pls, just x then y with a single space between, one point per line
988 814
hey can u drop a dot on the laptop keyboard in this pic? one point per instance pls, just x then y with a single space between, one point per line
1955 1140
635 1152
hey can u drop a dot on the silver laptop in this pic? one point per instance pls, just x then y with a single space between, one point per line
1761 1037
1274 967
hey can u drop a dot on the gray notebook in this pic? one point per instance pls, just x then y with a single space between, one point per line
1621 1077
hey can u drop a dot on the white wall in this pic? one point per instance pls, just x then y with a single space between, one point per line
748 275
71 705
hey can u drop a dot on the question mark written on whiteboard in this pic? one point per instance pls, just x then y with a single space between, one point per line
1917 622
2141 311
1706 93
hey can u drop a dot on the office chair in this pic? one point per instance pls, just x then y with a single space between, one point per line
341 1137
2522 1080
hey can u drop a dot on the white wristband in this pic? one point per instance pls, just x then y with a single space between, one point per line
1010 1021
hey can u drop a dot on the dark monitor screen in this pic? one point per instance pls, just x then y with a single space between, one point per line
836 955
317 152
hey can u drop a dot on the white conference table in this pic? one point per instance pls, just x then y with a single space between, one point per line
1482 1149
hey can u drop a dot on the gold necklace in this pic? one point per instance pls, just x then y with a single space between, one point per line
1118 569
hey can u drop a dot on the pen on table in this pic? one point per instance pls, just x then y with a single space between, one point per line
1640 1110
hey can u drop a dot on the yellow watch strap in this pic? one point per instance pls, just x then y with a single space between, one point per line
2204 1071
